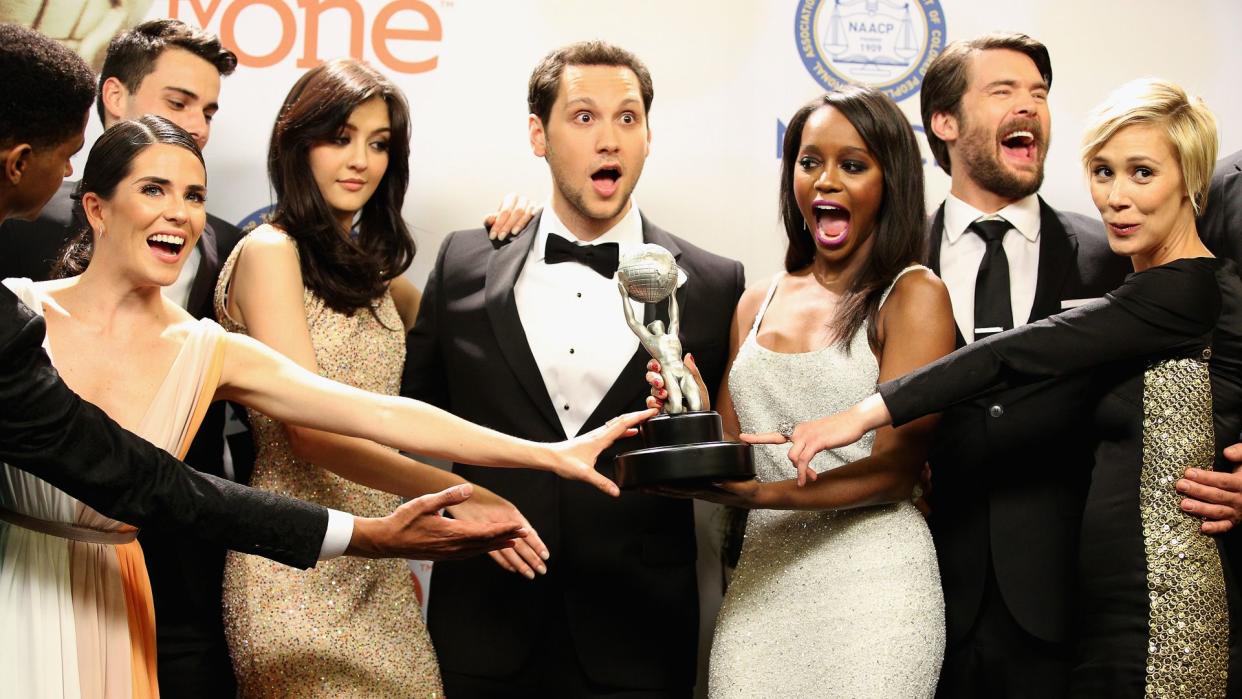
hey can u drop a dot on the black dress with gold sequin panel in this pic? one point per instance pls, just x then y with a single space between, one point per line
1164 351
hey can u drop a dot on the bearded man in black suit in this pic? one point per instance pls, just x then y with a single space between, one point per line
530 338
1009 473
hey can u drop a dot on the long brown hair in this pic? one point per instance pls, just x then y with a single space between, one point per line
347 269
899 225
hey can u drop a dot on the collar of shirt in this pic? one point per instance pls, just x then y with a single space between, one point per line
627 233
1023 215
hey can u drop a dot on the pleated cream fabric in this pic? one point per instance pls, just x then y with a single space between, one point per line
74 594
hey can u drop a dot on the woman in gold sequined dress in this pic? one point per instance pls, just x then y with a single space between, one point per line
322 285
1164 353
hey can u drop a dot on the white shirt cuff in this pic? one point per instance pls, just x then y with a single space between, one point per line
336 538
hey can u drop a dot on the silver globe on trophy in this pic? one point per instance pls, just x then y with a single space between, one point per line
684 442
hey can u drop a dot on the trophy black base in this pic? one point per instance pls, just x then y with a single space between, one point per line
685 447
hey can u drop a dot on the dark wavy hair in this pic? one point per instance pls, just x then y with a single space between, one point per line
899 225
347 271
111 160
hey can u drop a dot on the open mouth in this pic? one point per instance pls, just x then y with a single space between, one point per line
832 224
166 246
605 180
1020 146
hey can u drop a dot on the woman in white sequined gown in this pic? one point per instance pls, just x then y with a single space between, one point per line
837 592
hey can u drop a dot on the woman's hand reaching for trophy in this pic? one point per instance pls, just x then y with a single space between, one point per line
575 459
809 438
659 394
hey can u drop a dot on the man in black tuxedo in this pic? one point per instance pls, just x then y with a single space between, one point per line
1010 472
530 338
1220 224
167 68
50 432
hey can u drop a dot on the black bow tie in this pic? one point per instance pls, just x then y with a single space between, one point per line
602 257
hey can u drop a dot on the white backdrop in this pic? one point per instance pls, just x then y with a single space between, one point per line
725 74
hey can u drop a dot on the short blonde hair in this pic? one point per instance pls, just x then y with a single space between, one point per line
1187 121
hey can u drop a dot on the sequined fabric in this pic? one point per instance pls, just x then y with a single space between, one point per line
348 627
824 604
1188 646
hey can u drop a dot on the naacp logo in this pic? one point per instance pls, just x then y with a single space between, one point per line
886 44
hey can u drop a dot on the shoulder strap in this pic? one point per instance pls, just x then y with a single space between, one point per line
892 284
763 308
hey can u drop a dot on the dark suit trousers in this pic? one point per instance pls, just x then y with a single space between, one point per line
552 671
998 659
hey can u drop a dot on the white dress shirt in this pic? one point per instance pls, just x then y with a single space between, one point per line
574 322
961 252
336 538
179 291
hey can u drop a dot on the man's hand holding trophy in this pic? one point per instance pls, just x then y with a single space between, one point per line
685 442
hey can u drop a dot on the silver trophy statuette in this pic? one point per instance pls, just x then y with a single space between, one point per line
686 444
649 274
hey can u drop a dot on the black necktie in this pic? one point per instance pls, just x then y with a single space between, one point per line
993 308
602 257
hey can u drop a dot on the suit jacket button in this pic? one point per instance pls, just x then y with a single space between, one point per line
996 410
1207 353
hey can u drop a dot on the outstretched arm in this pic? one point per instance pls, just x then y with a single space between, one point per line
1163 311
257 376
49 431
915 327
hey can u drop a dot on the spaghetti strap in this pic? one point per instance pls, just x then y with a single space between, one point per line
754 327
892 284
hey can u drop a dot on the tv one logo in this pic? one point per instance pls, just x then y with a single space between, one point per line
412 27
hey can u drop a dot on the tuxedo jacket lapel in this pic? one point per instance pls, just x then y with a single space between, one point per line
629 384
204 283
502 273
1058 250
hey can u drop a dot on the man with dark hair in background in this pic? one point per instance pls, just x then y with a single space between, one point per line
530 338
167 68
1010 470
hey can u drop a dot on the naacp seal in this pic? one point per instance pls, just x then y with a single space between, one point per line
885 44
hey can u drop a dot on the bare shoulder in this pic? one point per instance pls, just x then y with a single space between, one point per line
916 297
268 252
268 239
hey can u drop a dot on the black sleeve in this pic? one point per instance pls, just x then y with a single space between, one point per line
1219 223
49 431
1163 311
423 377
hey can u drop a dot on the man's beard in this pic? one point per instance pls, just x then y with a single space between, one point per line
978 151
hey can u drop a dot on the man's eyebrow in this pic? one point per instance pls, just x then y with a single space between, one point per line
188 93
